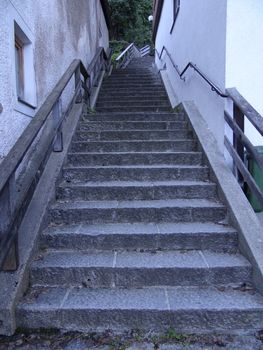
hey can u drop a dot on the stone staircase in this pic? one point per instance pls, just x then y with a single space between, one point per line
137 236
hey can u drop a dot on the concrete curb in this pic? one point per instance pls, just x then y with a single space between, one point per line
13 285
240 212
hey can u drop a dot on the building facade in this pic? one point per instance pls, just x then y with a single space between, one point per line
39 39
222 38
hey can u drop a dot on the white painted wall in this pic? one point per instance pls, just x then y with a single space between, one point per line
59 31
199 36
244 55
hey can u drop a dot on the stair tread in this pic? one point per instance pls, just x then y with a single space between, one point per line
148 260
136 152
140 228
138 166
148 298
132 141
180 203
136 183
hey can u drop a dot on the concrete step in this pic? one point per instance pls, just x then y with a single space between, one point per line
136 173
134 117
172 210
134 158
134 72
125 135
145 108
132 94
187 309
131 190
123 269
135 102
141 99
133 146
131 125
146 79
133 85
142 236
133 89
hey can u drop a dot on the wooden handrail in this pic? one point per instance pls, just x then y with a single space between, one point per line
14 202
245 107
14 157
241 109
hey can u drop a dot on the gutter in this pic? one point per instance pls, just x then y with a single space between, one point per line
106 10
158 7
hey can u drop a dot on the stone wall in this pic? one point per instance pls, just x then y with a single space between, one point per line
59 31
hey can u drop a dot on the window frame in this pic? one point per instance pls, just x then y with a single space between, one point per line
20 76
176 9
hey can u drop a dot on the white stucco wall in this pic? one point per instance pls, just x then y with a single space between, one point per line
199 36
59 31
244 55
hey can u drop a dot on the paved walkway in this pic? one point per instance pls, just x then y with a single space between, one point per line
134 341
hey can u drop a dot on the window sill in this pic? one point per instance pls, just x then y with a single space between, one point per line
20 100
25 108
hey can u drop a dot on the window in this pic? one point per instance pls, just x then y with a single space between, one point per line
19 66
24 73
176 5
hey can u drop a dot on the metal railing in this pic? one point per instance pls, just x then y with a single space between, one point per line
196 69
241 110
145 50
129 53
17 186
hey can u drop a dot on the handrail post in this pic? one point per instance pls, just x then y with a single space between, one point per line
238 117
58 141
77 85
7 208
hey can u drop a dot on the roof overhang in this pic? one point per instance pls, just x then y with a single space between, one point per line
158 6
106 10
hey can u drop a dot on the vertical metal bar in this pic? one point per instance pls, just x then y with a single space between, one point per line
77 81
7 208
58 142
238 116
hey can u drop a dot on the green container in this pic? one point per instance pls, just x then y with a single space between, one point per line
257 174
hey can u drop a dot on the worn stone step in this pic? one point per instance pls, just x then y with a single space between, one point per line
172 210
131 190
131 103
132 85
123 81
133 94
125 135
136 173
133 146
134 117
134 72
138 236
186 309
134 158
145 108
123 269
133 77
131 125
126 100
106 91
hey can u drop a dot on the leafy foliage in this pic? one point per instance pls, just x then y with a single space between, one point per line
130 21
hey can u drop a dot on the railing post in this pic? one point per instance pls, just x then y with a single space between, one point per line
238 117
77 85
7 208
58 142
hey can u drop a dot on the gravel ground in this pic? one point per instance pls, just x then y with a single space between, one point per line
52 340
